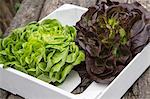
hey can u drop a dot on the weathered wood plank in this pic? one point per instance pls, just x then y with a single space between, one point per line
3 94
29 11
141 88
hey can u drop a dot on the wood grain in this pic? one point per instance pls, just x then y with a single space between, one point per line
141 88
29 11
3 94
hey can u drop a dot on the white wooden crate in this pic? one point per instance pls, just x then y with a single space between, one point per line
33 88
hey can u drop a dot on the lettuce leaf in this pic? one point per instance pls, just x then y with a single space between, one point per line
112 33
45 50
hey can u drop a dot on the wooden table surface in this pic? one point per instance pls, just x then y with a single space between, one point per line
34 10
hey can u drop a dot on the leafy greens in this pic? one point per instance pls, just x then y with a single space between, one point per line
112 33
45 50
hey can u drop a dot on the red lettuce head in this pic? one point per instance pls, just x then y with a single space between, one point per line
112 33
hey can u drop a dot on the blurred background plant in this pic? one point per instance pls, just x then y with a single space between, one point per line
8 9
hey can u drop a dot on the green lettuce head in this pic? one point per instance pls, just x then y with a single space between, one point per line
45 50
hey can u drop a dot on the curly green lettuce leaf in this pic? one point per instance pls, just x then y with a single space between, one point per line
45 50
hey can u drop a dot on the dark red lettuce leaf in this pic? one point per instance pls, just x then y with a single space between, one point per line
106 55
